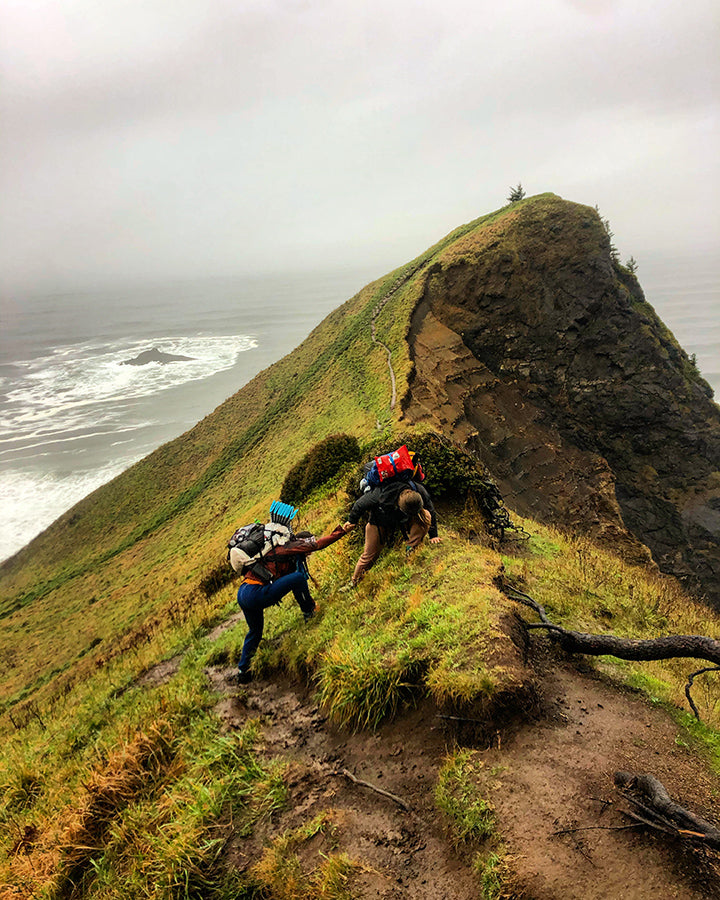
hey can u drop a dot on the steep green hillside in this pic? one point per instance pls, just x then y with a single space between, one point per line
134 545
130 768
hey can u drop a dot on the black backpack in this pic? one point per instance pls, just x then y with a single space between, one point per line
388 494
251 543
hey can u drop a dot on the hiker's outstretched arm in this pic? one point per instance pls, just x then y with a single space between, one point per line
303 546
328 539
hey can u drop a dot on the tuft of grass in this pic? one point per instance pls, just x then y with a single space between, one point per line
136 769
280 874
360 689
495 875
470 817
19 790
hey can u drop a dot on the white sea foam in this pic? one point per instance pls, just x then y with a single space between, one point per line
62 413
79 386
30 501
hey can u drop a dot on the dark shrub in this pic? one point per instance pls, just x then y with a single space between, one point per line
216 579
318 466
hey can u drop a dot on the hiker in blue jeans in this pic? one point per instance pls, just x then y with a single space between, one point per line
287 569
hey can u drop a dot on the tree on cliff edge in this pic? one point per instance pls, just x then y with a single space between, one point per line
516 193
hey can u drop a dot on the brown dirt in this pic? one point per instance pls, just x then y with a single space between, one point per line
554 774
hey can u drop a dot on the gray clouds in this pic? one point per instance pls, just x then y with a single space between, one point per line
147 139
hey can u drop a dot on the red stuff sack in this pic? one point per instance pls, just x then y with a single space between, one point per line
391 464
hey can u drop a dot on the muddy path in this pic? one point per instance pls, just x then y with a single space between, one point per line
549 779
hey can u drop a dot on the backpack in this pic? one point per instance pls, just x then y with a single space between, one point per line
250 543
401 463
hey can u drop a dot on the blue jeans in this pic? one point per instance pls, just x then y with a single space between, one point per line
254 599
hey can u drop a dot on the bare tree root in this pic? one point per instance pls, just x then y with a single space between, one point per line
689 684
650 804
349 775
692 646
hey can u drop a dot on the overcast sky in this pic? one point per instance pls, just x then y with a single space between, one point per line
174 138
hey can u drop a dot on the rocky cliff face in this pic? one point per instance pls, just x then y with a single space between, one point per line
532 345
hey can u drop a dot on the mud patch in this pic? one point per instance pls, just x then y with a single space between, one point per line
402 852
161 673
550 780
559 813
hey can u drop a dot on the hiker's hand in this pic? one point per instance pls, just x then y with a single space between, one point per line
435 540
348 526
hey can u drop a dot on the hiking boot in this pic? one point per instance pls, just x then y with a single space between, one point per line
310 613
244 677
350 586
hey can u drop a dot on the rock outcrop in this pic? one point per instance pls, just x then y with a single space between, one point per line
155 356
532 345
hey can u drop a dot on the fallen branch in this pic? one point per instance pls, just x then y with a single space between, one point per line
694 646
689 684
673 646
461 719
348 774
594 828
651 804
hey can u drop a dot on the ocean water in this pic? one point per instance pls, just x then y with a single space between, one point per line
72 416
685 292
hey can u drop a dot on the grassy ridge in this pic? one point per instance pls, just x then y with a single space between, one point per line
112 590
430 624
150 535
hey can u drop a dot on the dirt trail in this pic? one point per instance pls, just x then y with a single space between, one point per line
557 776
547 776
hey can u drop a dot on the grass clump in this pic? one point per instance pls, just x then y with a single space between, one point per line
360 687
136 769
169 844
495 875
19 791
470 817
281 875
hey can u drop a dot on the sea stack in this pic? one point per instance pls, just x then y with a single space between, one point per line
155 356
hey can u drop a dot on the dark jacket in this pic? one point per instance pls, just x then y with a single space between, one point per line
282 560
380 505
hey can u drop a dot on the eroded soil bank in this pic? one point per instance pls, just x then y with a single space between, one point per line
549 779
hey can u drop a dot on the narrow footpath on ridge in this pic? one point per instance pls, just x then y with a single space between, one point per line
549 776
381 304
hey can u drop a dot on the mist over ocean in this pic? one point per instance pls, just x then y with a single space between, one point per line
72 416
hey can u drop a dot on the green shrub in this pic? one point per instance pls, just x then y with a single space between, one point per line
216 579
318 466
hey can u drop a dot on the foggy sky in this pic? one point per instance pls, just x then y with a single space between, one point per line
148 139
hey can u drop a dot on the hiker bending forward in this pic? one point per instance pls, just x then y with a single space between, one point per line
405 506
288 572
